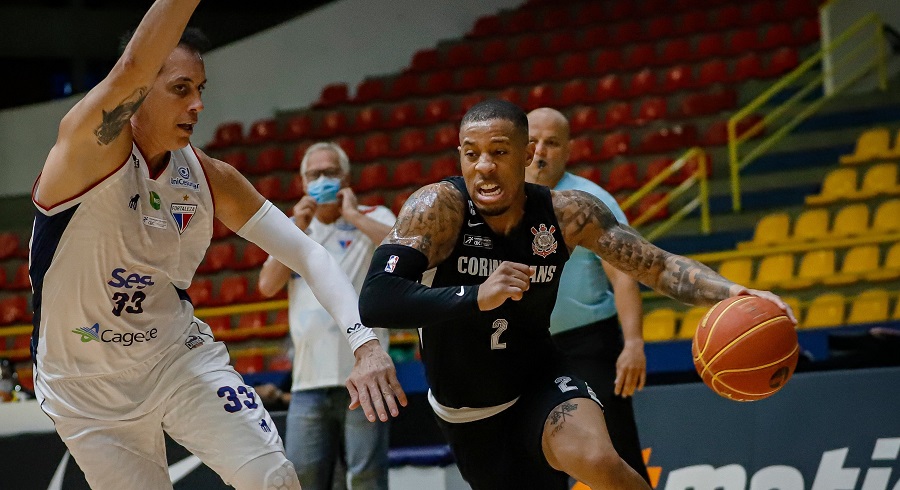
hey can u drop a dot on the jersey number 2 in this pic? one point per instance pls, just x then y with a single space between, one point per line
499 327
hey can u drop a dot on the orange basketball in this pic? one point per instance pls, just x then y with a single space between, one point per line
745 348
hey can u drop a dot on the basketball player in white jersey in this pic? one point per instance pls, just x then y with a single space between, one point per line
125 212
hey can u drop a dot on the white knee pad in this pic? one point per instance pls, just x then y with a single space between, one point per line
271 471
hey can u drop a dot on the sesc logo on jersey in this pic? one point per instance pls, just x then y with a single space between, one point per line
183 214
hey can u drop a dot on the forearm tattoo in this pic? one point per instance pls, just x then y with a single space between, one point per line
429 221
115 120
558 417
586 221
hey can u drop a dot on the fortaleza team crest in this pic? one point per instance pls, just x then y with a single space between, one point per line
544 242
183 214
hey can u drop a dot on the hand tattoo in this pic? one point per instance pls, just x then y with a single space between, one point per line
115 120
429 221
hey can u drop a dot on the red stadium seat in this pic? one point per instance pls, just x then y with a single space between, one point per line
710 46
237 159
494 51
641 56
399 199
656 167
22 346
591 173
219 325
669 139
468 102
446 137
333 123
590 13
436 83
777 36
541 70
200 292
574 66
748 67
595 37
527 46
218 257
584 119
401 116
743 41
441 168
554 19
252 257
678 78
369 91
660 27
13 310
621 10
372 176
626 33
333 94
411 141
609 88
472 78
377 145
642 83
809 32
562 42
437 110
716 134
783 61
269 160
651 8
297 128
269 187
9 245
367 119
424 60
540 96
799 9
21 280
615 144
676 51
581 149
692 23
2 278
372 199
512 95
249 364
507 74
461 54
618 114
648 201
250 322
574 92
703 104
622 177
407 173
486 26
220 231
761 12
298 153
608 61
405 85
227 134
715 71
520 21
349 146
294 189
652 109
728 17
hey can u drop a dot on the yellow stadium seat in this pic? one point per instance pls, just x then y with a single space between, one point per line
659 325
826 310
838 184
879 179
737 270
870 306
814 266
794 303
852 220
890 269
896 315
874 143
772 228
811 225
774 270
887 217
691 320
858 262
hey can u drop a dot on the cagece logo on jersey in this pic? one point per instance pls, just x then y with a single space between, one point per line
135 281
94 334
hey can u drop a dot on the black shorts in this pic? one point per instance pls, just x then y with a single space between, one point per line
504 451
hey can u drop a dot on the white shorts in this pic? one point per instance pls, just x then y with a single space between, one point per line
212 414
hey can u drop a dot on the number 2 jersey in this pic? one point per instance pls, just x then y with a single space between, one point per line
491 357
109 270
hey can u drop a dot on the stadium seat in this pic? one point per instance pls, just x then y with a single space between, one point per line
692 22
367 119
869 306
233 289
727 17
659 325
294 189
2 278
249 324
623 177
614 144
424 60
584 119
826 310
748 67
794 9
21 347
332 95
811 225
594 37
651 201
588 13
519 22
488 25
858 261
507 74
441 168
13 310
690 321
838 184
885 220
377 145
668 139
679 77
218 257
608 61
774 270
227 134
573 66
446 137
437 111
512 95
761 12
591 173
879 179
609 88
333 123
402 116
472 78
814 267
220 231
407 173
574 92
369 91
458 55
642 83
739 271
220 325
890 269
372 199
618 114
21 280
435 83
660 28
871 145
540 96
527 46
581 149
9 245
657 167
641 56
852 220
782 61
403 86
541 69
399 199
200 292
372 176
626 33
713 71
237 159
777 36
743 41
554 19
562 42
252 257
809 32
676 51
494 51
652 109
297 127
269 160
269 187
249 364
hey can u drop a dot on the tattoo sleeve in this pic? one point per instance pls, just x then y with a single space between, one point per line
116 119
586 221
429 221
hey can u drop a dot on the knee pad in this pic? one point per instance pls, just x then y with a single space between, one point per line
271 471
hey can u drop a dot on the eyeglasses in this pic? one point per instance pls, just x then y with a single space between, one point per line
331 173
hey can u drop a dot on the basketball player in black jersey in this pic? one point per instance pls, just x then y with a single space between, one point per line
514 413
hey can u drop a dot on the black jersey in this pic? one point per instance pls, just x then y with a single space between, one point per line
488 358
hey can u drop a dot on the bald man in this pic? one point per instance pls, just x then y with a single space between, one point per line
605 348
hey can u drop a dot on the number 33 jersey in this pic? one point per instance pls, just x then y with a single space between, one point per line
110 267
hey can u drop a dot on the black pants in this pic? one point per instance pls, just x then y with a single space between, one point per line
591 351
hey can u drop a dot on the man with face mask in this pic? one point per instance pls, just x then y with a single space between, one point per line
319 425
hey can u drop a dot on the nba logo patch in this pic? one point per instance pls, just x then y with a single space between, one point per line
391 263
182 213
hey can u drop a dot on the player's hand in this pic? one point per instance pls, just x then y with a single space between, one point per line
509 280
773 298
631 369
304 211
349 203
373 383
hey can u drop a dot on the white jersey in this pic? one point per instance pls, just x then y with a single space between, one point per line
322 356
110 266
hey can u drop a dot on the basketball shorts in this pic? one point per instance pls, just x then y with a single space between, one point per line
208 410
504 451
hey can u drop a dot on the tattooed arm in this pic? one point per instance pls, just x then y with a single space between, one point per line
586 221
429 222
95 135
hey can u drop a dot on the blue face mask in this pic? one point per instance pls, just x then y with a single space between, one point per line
324 189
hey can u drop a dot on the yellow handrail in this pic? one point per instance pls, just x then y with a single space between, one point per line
878 61
702 200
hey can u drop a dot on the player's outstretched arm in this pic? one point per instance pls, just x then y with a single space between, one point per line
95 135
586 221
373 383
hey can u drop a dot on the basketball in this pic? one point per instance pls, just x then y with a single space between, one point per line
745 348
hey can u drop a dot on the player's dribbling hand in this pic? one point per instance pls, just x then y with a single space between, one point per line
373 383
509 280
304 211
773 298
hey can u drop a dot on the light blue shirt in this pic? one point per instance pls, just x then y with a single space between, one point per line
585 295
